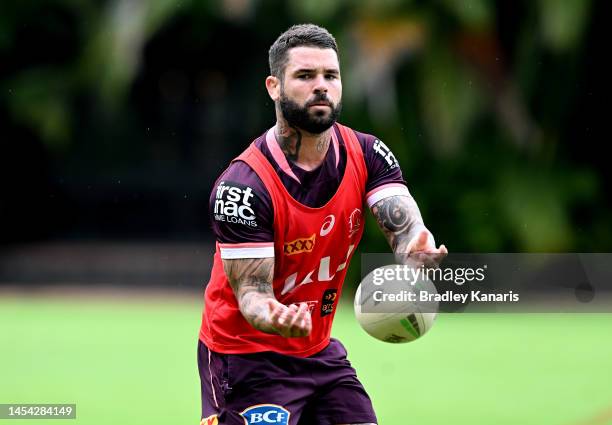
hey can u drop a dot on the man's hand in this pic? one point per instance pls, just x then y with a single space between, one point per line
422 251
251 280
290 321
421 243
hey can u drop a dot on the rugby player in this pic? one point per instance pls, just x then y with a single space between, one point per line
288 215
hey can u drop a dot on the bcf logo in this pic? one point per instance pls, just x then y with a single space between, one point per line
265 414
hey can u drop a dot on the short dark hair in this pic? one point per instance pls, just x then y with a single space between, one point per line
308 35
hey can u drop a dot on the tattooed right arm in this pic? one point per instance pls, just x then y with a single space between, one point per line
251 280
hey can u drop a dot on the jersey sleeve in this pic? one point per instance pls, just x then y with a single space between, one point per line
384 174
241 214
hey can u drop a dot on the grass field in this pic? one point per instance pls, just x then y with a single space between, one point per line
133 362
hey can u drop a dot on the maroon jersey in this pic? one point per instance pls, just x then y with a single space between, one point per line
311 188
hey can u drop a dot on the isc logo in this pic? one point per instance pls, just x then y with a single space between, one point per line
265 414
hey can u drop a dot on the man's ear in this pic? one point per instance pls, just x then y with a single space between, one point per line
273 85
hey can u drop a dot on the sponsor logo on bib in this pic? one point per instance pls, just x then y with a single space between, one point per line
382 149
327 303
300 245
328 225
234 203
354 222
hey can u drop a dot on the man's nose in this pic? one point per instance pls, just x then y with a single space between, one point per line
321 85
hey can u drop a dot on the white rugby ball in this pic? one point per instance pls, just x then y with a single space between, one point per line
394 321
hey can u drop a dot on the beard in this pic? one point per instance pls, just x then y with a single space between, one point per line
300 116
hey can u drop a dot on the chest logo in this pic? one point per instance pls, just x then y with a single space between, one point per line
327 303
300 245
322 272
354 222
328 225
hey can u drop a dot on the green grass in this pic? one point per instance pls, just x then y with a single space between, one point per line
134 362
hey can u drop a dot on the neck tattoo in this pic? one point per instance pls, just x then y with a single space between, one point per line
290 141
322 145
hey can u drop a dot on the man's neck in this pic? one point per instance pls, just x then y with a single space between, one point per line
304 149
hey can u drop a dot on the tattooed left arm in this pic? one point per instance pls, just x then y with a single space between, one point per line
400 220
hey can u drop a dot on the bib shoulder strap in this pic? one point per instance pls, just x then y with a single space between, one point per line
253 157
353 150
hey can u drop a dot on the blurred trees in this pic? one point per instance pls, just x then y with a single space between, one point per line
119 114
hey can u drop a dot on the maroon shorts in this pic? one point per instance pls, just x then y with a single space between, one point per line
271 388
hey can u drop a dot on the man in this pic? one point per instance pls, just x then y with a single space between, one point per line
287 215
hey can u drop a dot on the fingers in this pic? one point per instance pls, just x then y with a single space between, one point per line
299 325
298 318
422 239
419 242
291 321
276 311
280 314
304 320
430 257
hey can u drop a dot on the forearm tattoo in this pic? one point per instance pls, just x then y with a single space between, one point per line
400 220
251 281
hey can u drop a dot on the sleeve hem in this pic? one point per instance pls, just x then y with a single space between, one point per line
246 250
386 191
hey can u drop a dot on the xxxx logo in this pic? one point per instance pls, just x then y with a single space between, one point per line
300 245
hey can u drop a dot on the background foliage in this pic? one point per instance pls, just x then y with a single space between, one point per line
118 115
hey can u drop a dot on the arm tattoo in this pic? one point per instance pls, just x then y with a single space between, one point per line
400 220
392 214
251 280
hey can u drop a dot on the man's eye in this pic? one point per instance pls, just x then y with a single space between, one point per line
331 76
304 77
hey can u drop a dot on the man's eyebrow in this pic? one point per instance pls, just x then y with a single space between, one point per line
307 70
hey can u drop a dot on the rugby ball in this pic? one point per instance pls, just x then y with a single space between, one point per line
388 313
